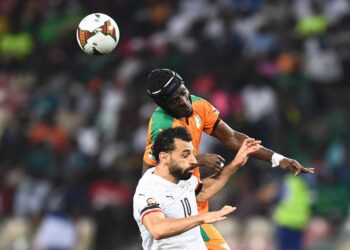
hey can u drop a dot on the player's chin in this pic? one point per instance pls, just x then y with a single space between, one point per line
185 176
187 112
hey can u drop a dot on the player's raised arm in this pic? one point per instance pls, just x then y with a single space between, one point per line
234 139
215 183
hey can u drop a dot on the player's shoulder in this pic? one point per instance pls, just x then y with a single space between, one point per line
149 186
150 180
201 105
146 178
195 99
146 183
161 119
199 101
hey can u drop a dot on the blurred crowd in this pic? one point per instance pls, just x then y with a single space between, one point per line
73 127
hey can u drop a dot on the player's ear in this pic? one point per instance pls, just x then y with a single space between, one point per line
163 156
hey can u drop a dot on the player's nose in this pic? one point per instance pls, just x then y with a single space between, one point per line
183 101
193 160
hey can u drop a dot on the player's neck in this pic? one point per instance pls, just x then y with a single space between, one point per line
163 172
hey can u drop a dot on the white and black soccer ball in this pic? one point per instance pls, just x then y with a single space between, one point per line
98 34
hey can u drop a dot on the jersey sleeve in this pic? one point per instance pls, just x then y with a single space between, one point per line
148 202
211 117
158 122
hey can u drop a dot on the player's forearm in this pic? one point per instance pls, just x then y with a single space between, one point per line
169 227
233 139
216 182
263 153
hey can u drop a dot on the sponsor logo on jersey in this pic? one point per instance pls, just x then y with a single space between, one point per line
169 196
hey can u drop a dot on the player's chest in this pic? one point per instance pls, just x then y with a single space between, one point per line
180 203
193 123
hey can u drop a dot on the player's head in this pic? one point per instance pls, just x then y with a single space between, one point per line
168 90
173 147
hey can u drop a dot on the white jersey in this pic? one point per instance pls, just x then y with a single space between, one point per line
155 194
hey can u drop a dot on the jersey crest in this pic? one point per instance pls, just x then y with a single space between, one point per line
198 121
150 155
151 202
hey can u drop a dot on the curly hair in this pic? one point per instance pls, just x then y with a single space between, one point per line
165 141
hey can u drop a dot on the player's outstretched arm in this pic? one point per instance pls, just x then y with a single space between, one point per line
215 183
161 227
234 139
219 215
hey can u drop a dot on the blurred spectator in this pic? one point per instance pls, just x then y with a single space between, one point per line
111 204
321 65
56 230
292 213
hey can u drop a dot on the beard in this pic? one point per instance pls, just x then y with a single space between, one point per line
178 172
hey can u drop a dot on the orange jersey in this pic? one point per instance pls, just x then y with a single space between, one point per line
203 118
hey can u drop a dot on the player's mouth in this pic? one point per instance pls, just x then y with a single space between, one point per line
191 169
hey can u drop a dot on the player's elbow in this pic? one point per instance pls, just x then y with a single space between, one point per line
157 236
157 232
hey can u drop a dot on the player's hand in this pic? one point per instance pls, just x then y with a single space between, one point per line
215 216
211 161
248 146
295 166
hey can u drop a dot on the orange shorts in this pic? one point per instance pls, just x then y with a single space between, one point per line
212 238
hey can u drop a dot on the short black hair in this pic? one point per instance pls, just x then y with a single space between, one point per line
165 141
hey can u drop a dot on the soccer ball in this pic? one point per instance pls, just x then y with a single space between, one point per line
97 34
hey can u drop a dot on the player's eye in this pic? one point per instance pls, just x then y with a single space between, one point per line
185 154
173 101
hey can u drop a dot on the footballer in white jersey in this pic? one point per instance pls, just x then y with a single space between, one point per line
165 199
155 194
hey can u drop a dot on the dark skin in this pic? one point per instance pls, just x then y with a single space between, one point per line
180 104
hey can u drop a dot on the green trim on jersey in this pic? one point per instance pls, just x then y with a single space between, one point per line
196 98
204 235
160 120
